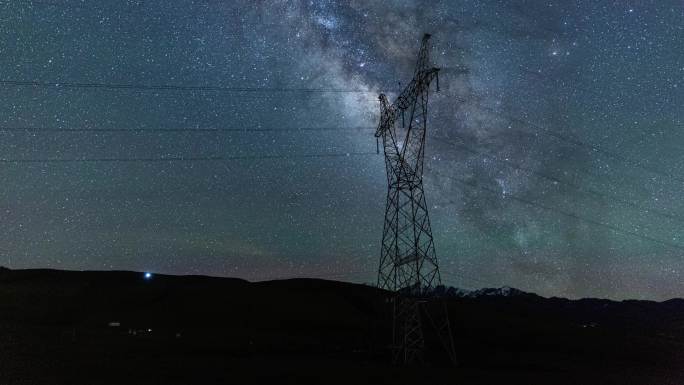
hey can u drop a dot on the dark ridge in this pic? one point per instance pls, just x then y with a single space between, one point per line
117 327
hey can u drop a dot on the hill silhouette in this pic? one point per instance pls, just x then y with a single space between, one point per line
116 327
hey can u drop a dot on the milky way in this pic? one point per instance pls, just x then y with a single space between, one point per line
553 158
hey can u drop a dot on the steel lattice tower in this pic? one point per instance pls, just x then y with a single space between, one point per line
408 263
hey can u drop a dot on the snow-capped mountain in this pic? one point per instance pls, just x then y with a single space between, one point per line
454 292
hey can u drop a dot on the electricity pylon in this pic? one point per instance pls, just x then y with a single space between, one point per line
408 263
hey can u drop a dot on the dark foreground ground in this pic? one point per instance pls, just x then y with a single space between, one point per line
55 329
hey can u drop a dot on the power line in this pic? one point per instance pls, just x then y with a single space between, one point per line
202 129
570 214
171 87
602 151
576 187
576 142
509 117
168 87
186 159
574 87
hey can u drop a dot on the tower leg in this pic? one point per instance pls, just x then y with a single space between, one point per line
438 314
410 315
408 339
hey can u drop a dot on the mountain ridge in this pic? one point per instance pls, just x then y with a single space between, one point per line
447 291
63 326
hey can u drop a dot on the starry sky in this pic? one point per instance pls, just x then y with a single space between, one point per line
235 138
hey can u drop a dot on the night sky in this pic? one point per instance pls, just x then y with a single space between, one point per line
554 159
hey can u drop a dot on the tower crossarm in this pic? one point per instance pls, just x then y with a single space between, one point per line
419 84
387 116
423 76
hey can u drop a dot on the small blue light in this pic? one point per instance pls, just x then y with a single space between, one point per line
148 275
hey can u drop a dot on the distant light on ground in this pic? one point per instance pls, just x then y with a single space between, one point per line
148 275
